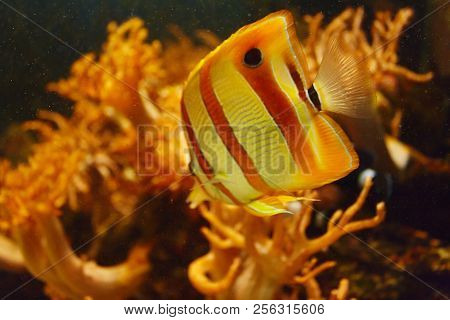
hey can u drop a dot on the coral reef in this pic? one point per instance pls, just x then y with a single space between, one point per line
122 147
380 52
89 163
32 198
255 258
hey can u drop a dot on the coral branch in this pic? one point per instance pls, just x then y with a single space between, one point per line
313 291
85 277
274 251
314 272
10 256
408 74
215 240
49 257
198 275
341 292
235 237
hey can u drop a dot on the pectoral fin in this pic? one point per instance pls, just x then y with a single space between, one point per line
197 196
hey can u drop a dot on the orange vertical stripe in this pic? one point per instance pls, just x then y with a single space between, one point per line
224 130
282 111
204 164
298 82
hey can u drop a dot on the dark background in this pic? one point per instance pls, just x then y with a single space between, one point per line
30 58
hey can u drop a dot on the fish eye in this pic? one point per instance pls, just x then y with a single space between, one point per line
253 58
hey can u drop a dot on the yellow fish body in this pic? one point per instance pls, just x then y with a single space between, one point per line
258 127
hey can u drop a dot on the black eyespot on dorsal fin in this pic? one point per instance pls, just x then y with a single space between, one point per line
314 97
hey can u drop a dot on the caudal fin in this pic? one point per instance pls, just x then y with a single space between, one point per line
343 83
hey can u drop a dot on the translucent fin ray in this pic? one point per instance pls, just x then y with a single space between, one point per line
343 83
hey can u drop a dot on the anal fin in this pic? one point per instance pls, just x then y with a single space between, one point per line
269 206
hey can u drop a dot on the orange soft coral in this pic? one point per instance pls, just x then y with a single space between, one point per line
94 162
380 52
32 198
113 78
253 258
